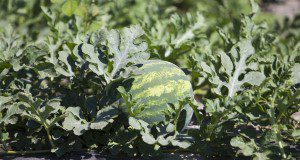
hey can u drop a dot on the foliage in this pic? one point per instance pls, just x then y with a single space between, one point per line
66 66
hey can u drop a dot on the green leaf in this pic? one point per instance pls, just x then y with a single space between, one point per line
69 7
185 117
63 57
74 121
124 50
104 117
11 110
194 23
226 62
81 10
175 33
181 144
245 148
206 68
235 67
54 1
254 78
254 5
39 111
95 64
295 73
3 101
148 138
296 134
4 136
11 50
162 141
134 123
261 156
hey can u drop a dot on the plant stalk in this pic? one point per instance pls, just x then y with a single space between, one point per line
196 113
50 138
276 128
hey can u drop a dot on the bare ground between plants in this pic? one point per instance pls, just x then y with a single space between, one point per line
289 8
97 156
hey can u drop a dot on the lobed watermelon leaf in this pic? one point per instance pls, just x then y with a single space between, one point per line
178 32
124 49
77 123
12 109
166 133
235 66
40 111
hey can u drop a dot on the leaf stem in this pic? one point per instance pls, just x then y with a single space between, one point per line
196 113
50 138
216 122
275 126
44 124
2 139
177 117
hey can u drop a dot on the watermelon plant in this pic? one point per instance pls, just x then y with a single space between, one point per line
132 78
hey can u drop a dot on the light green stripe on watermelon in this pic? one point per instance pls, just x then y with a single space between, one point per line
178 87
149 77
158 84
156 81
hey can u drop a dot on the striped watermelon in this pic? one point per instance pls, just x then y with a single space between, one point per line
158 83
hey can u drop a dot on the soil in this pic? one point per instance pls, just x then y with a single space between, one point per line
97 156
288 8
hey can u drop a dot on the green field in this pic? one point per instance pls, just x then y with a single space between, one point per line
146 79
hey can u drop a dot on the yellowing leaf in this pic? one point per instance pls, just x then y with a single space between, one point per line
69 7
81 10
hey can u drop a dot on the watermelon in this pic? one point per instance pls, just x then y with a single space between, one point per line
157 84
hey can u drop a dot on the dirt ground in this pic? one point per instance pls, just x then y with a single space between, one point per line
97 156
288 8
